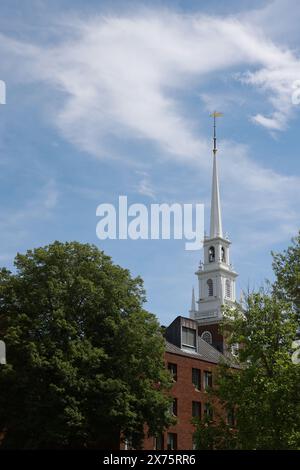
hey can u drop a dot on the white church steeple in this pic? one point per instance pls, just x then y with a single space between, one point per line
215 208
216 277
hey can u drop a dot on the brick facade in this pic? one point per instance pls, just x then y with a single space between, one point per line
186 355
186 393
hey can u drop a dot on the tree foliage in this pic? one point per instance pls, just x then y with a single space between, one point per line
286 266
214 435
265 392
85 360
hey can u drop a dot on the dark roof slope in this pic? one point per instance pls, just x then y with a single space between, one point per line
205 352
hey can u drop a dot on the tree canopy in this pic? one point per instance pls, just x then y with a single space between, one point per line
85 360
286 266
265 393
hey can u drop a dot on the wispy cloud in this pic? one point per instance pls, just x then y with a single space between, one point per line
145 187
265 202
123 78
18 223
37 208
119 75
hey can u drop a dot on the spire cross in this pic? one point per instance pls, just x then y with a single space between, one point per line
215 114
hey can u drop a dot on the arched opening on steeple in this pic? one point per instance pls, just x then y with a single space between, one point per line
207 336
211 254
223 255
228 288
210 287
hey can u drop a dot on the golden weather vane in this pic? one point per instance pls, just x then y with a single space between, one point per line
215 114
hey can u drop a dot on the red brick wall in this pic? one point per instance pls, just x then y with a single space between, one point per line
185 393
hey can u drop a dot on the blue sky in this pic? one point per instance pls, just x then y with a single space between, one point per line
106 98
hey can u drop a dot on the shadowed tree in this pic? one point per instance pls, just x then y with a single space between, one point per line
286 266
85 360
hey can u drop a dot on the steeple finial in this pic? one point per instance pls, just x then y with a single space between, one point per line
215 210
193 305
193 300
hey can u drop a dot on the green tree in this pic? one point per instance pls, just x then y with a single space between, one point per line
286 266
85 360
265 392
214 435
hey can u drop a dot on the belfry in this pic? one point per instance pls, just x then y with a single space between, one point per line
216 276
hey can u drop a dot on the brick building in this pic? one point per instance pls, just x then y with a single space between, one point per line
192 363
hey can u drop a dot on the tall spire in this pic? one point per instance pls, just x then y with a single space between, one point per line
215 209
193 305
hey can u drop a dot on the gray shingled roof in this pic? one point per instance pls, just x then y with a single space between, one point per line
205 352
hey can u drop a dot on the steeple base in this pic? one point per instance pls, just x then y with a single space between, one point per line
216 337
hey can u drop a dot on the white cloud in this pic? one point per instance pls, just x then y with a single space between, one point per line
263 203
125 77
279 19
273 123
146 188
120 74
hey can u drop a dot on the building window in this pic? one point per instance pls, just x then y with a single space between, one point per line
173 370
159 442
231 418
196 409
172 441
128 444
228 288
207 336
210 287
208 411
223 257
188 337
207 379
211 254
173 407
196 378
